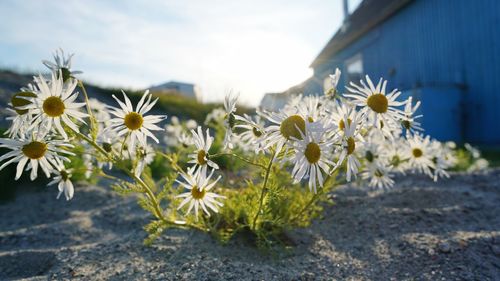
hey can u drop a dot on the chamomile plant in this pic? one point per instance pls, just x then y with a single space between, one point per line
258 174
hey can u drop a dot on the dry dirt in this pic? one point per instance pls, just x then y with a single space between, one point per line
420 230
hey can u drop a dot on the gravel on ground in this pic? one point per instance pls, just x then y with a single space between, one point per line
419 230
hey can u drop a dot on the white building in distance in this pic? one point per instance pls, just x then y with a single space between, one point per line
174 87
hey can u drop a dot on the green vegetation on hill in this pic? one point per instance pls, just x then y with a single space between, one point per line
172 104
175 104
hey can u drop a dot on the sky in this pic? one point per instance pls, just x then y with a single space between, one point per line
251 47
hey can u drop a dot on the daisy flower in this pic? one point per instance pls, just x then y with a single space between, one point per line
311 108
349 141
101 113
216 116
198 185
134 123
173 131
61 65
55 105
337 111
372 152
377 106
286 124
191 124
330 87
146 156
89 166
408 121
293 102
21 119
474 152
109 140
253 134
63 180
448 151
185 139
33 151
419 153
311 158
440 166
478 165
200 157
379 176
229 119
443 159
19 124
179 133
395 155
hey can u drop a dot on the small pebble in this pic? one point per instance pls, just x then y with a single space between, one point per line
444 247
462 243
496 249
394 226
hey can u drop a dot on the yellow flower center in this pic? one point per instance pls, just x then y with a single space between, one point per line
417 152
406 124
196 193
395 161
256 132
342 123
34 150
133 121
351 145
66 74
310 119
64 175
17 100
369 156
290 127
53 106
107 146
378 173
201 157
378 103
330 92
313 152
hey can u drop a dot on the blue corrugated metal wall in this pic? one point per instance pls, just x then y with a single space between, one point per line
439 114
447 49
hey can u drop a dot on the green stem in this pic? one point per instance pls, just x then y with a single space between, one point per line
151 195
104 175
123 144
263 192
315 197
147 189
94 144
158 211
174 164
89 110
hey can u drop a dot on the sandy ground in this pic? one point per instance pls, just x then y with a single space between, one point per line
419 230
